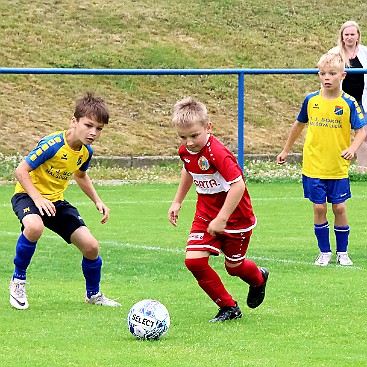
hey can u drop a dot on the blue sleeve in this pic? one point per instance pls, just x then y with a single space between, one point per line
303 113
45 149
86 164
357 119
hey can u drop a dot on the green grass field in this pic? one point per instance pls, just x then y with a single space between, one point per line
311 316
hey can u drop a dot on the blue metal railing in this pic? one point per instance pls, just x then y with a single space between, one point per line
239 72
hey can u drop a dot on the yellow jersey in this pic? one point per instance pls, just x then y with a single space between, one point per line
328 133
53 163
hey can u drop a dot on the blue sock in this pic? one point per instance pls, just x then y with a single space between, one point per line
23 255
322 235
341 235
92 275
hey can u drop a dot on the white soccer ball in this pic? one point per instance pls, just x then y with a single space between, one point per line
148 319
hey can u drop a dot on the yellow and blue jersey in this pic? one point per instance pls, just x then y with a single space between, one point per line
328 133
53 163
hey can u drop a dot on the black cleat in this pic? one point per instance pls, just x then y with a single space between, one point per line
256 295
227 313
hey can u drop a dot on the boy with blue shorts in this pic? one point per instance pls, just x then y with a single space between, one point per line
38 200
330 114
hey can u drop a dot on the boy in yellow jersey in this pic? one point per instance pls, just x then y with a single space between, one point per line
330 114
38 199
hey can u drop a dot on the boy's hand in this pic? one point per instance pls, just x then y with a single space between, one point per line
216 226
103 209
173 213
282 157
45 206
347 154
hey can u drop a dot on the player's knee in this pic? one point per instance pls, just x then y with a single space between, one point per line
91 251
339 209
196 264
232 268
33 229
320 209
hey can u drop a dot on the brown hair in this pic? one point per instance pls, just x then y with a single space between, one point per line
188 112
91 107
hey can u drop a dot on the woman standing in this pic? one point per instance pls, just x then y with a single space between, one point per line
355 56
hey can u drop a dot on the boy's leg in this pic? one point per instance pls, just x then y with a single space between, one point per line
322 235
256 277
316 190
234 248
341 230
23 254
339 192
198 263
209 280
341 235
92 274
321 230
321 227
25 248
247 270
32 228
91 266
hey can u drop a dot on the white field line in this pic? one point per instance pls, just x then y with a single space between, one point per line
122 202
177 250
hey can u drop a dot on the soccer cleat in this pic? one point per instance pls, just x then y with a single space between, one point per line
256 295
227 313
101 300
323 259
342 258
18 296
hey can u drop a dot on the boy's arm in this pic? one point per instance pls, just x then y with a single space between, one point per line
295 132
359 138
234 195
183 188
44 205
86 184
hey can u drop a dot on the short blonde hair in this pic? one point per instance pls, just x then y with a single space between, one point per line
188 112
341 44
333 60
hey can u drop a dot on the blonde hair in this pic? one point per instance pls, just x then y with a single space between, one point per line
188 112
333 60
341 44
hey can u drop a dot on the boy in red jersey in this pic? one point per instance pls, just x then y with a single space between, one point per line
224 218
38 200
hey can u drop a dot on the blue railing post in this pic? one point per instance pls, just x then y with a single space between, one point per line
241 119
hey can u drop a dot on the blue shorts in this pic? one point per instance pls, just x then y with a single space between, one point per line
319 190
64 223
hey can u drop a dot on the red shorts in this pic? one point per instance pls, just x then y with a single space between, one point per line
232 245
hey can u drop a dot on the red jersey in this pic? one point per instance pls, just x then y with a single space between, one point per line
213 169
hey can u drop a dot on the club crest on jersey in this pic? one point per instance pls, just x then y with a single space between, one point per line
203 163
338 110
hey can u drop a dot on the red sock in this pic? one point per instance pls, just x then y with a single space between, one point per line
248 272
209 281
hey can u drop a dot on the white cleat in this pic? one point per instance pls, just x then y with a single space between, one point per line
323 259
342 258
101 300
18 296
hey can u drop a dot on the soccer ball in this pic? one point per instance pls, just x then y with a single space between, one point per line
148 319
